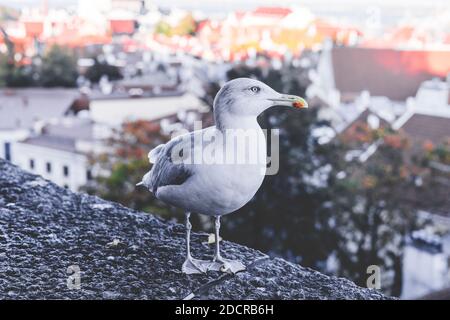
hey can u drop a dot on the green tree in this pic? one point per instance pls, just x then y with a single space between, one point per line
373 212
14 75
99 69
185 26
58 68
285 217
124 165
6 67
163 28
358 214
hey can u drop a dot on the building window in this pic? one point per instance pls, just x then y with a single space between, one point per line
88 175
66 171
32 164
48 167
8 151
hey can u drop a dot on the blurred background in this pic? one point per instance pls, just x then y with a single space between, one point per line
89 87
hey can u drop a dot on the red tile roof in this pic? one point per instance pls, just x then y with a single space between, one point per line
396 74
34 28
122 26
402 34
272 11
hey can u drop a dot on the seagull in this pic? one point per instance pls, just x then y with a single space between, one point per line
180 175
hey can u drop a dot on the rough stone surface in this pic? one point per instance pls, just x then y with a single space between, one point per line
125 254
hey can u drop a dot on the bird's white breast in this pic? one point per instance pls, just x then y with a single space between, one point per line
221 188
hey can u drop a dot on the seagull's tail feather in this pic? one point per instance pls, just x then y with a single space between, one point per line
153 157
146 181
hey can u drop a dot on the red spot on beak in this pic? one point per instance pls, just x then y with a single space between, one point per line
300 104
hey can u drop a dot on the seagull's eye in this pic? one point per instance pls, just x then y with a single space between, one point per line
255 89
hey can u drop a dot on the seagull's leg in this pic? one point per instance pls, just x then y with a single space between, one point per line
191 265
217 256
220 263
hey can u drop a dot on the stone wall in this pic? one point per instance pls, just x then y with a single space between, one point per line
125 254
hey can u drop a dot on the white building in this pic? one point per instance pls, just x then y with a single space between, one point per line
433 97
61 152
114 112
24 110
38 135
54 159
425 266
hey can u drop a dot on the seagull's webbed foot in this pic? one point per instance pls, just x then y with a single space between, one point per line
191 265
219 263
195 266
226 265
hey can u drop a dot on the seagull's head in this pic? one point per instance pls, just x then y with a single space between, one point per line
244 96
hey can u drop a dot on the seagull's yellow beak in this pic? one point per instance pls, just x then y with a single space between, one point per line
290 101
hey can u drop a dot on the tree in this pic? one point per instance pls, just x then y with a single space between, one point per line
6 67
373 214
185 26
99 69
285 216
14 75
124 165
58 68
163 28
320 208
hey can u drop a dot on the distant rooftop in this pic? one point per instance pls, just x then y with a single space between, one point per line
421 127
396 74
71 127
114 111
64 134
20 108
272 11
53 142
158 84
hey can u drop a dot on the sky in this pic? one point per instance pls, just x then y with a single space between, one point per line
239 3
345 9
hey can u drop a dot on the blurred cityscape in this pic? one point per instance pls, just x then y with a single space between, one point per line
89 87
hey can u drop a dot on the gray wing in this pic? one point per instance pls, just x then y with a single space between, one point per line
166 172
